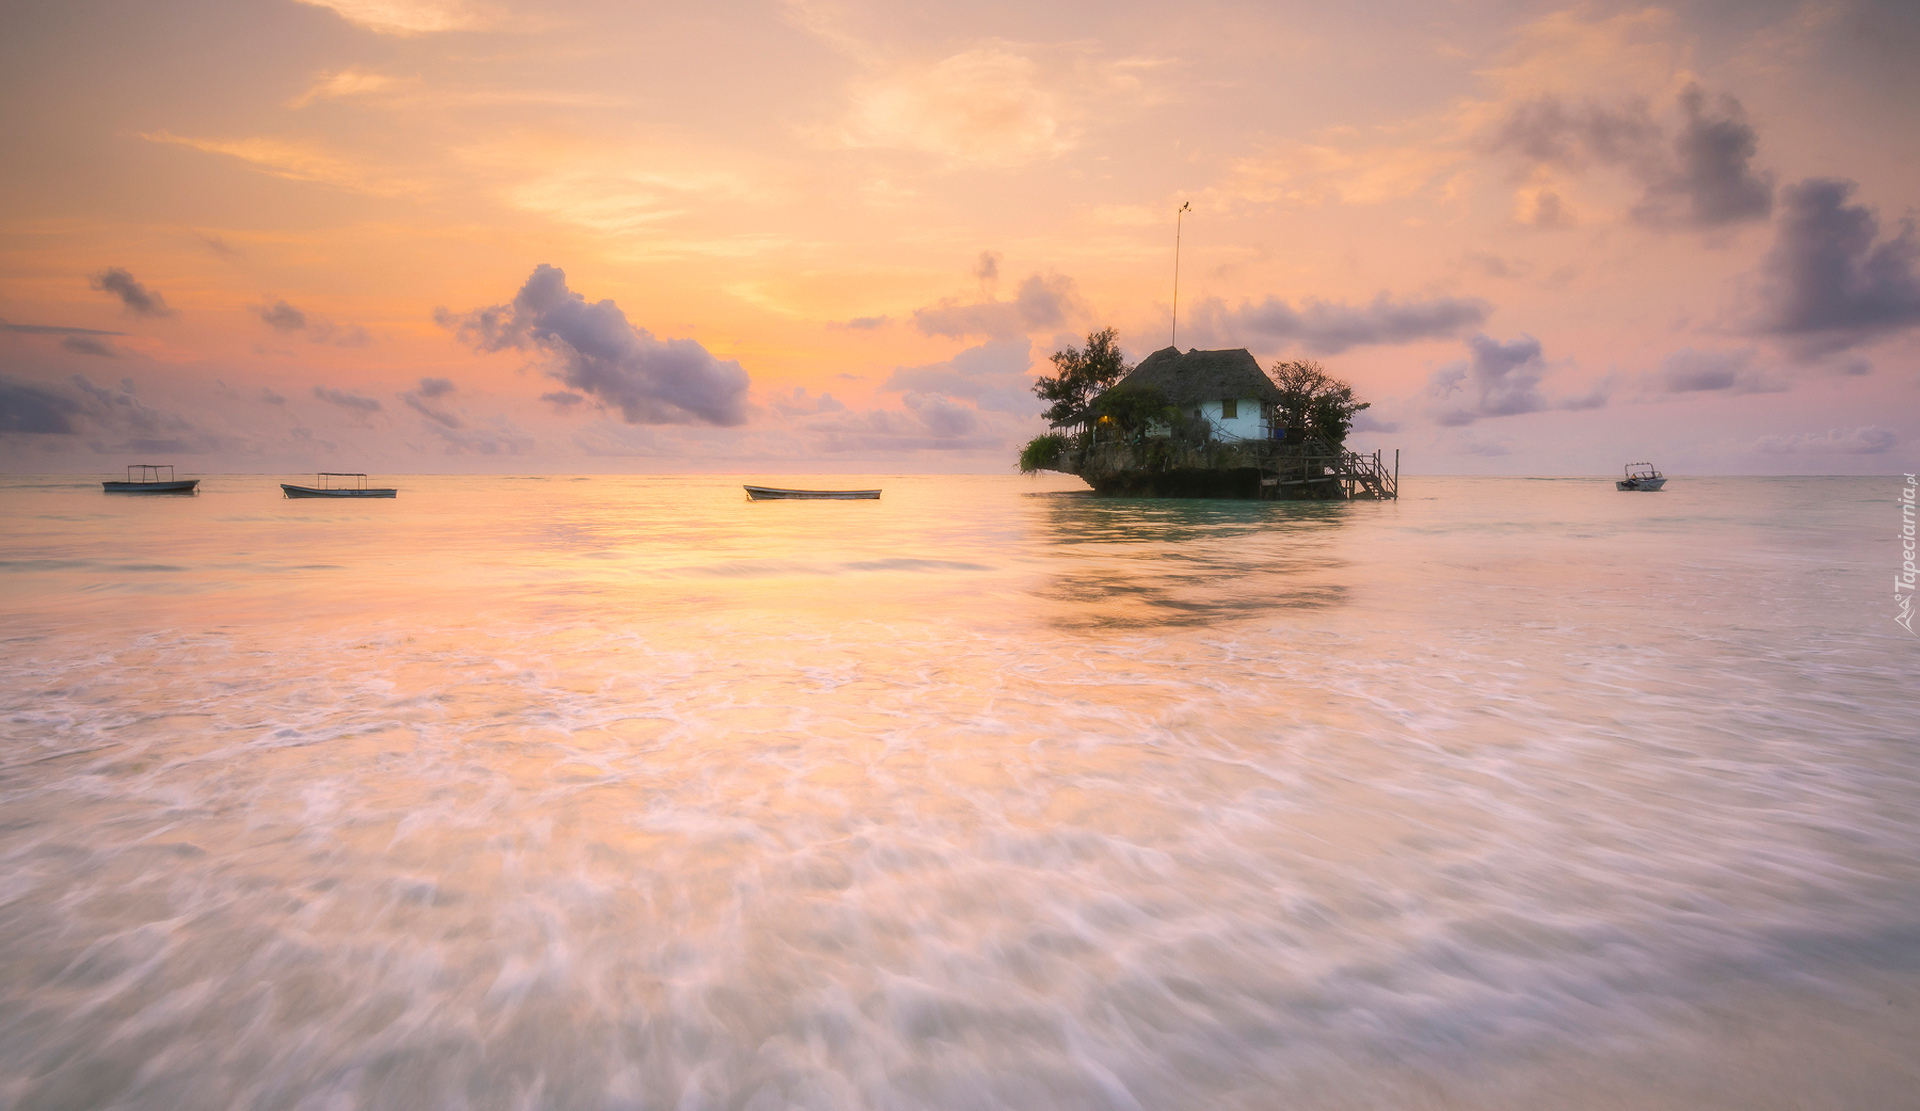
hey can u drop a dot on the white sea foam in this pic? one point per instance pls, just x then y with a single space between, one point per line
1026 802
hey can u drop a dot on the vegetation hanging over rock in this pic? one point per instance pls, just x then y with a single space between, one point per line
1042 452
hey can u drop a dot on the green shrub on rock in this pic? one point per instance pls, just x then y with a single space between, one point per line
1042 452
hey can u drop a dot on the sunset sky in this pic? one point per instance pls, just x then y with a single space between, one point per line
751 236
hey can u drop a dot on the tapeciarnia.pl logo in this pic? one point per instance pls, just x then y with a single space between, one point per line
1904 581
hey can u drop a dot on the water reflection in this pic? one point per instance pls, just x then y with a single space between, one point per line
1361 806
1151 563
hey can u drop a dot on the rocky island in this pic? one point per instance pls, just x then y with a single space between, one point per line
1202 424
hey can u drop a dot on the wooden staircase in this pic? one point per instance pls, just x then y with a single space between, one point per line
1331 474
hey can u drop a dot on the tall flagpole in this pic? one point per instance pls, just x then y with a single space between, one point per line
1185 207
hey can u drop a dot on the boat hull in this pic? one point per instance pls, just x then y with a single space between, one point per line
774 493
293 491
1648 484
176 486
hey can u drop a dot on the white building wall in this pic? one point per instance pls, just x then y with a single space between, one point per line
1243 426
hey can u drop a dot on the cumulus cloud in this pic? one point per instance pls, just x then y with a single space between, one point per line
1701 177
797 402
1366 421
351 402
35 409
134 297
1548 130
286 319
90 345
1691 371
219 246
1868 440
121 406
1711 181
432 388
1596 396
270 397
987 269
1041 301
863 323
1045 302
564 400
1326 327
944 417
281 317
77 405
1499 380
1544 209
1827 285
993 376
597 352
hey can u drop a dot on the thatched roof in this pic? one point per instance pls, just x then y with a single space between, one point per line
1194 377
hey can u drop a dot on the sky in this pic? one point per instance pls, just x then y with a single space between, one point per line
419 236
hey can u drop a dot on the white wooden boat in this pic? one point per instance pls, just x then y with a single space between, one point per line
150 482
1641 476
339 484
775 493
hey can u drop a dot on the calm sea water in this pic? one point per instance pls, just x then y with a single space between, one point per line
629 793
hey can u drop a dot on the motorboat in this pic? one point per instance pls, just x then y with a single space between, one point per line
775 493
1641 476
149 481
338 484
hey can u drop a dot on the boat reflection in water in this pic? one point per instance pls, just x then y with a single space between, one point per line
338 484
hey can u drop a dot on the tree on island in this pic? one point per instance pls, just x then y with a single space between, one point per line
1316 401
1080 374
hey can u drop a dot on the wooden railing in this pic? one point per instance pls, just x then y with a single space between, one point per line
1353 475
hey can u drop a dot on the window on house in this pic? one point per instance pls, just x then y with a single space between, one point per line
1229 410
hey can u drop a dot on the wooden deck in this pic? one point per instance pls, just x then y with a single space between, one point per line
1343 474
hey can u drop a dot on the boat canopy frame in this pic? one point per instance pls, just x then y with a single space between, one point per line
324 476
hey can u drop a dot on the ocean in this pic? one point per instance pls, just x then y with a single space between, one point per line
625 792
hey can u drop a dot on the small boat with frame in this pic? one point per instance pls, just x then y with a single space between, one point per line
1641 476
339 484
150 482
775 493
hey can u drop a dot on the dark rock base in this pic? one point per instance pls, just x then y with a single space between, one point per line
1237 482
